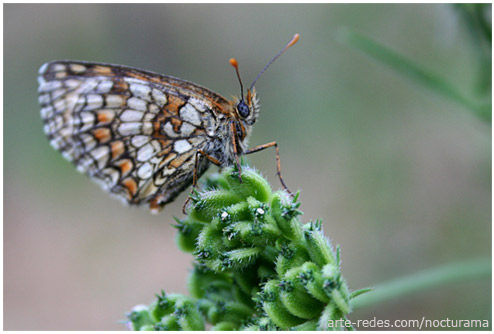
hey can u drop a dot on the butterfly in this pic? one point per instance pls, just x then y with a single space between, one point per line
144 137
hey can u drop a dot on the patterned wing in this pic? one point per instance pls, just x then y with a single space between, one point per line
134 132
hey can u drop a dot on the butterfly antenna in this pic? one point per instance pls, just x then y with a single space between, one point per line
234 63
292 41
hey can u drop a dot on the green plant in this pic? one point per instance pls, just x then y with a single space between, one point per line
256 265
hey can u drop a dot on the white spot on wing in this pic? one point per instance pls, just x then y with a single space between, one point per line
198 104
145 153
189 114
47 86
168 171
159 97
44 98
131 116
46 112
94 101
145 171
72 83
136 104
114 101
77 68
140 91
182 146
87 121
111 176
147 128
186 129
105 86
129 129
168 128
59 105
57 93
42 69
138 141
58 67
101 154
89 141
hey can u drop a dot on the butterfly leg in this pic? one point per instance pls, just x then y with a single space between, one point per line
196 167
235 151
278 163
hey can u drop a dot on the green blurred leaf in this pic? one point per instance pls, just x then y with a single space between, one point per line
476 20
428 279
413 71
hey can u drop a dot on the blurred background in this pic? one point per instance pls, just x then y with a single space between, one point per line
400 174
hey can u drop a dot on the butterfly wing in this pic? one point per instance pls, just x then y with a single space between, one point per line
132 131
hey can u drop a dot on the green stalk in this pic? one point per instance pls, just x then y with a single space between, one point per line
447 274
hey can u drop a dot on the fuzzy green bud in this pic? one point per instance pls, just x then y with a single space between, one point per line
224 326
291 255
164 304
296 298
167 323
188 232
140 317
319 248
188 315
211 203
275 309
253 184
310 325
313 281
285 215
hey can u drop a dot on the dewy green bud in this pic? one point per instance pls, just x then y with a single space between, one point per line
236 212
211 203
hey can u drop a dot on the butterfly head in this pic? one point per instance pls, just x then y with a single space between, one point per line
247 108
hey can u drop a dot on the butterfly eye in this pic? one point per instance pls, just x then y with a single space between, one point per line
243 110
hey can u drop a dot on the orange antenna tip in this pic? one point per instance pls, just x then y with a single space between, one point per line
233 62
294 40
